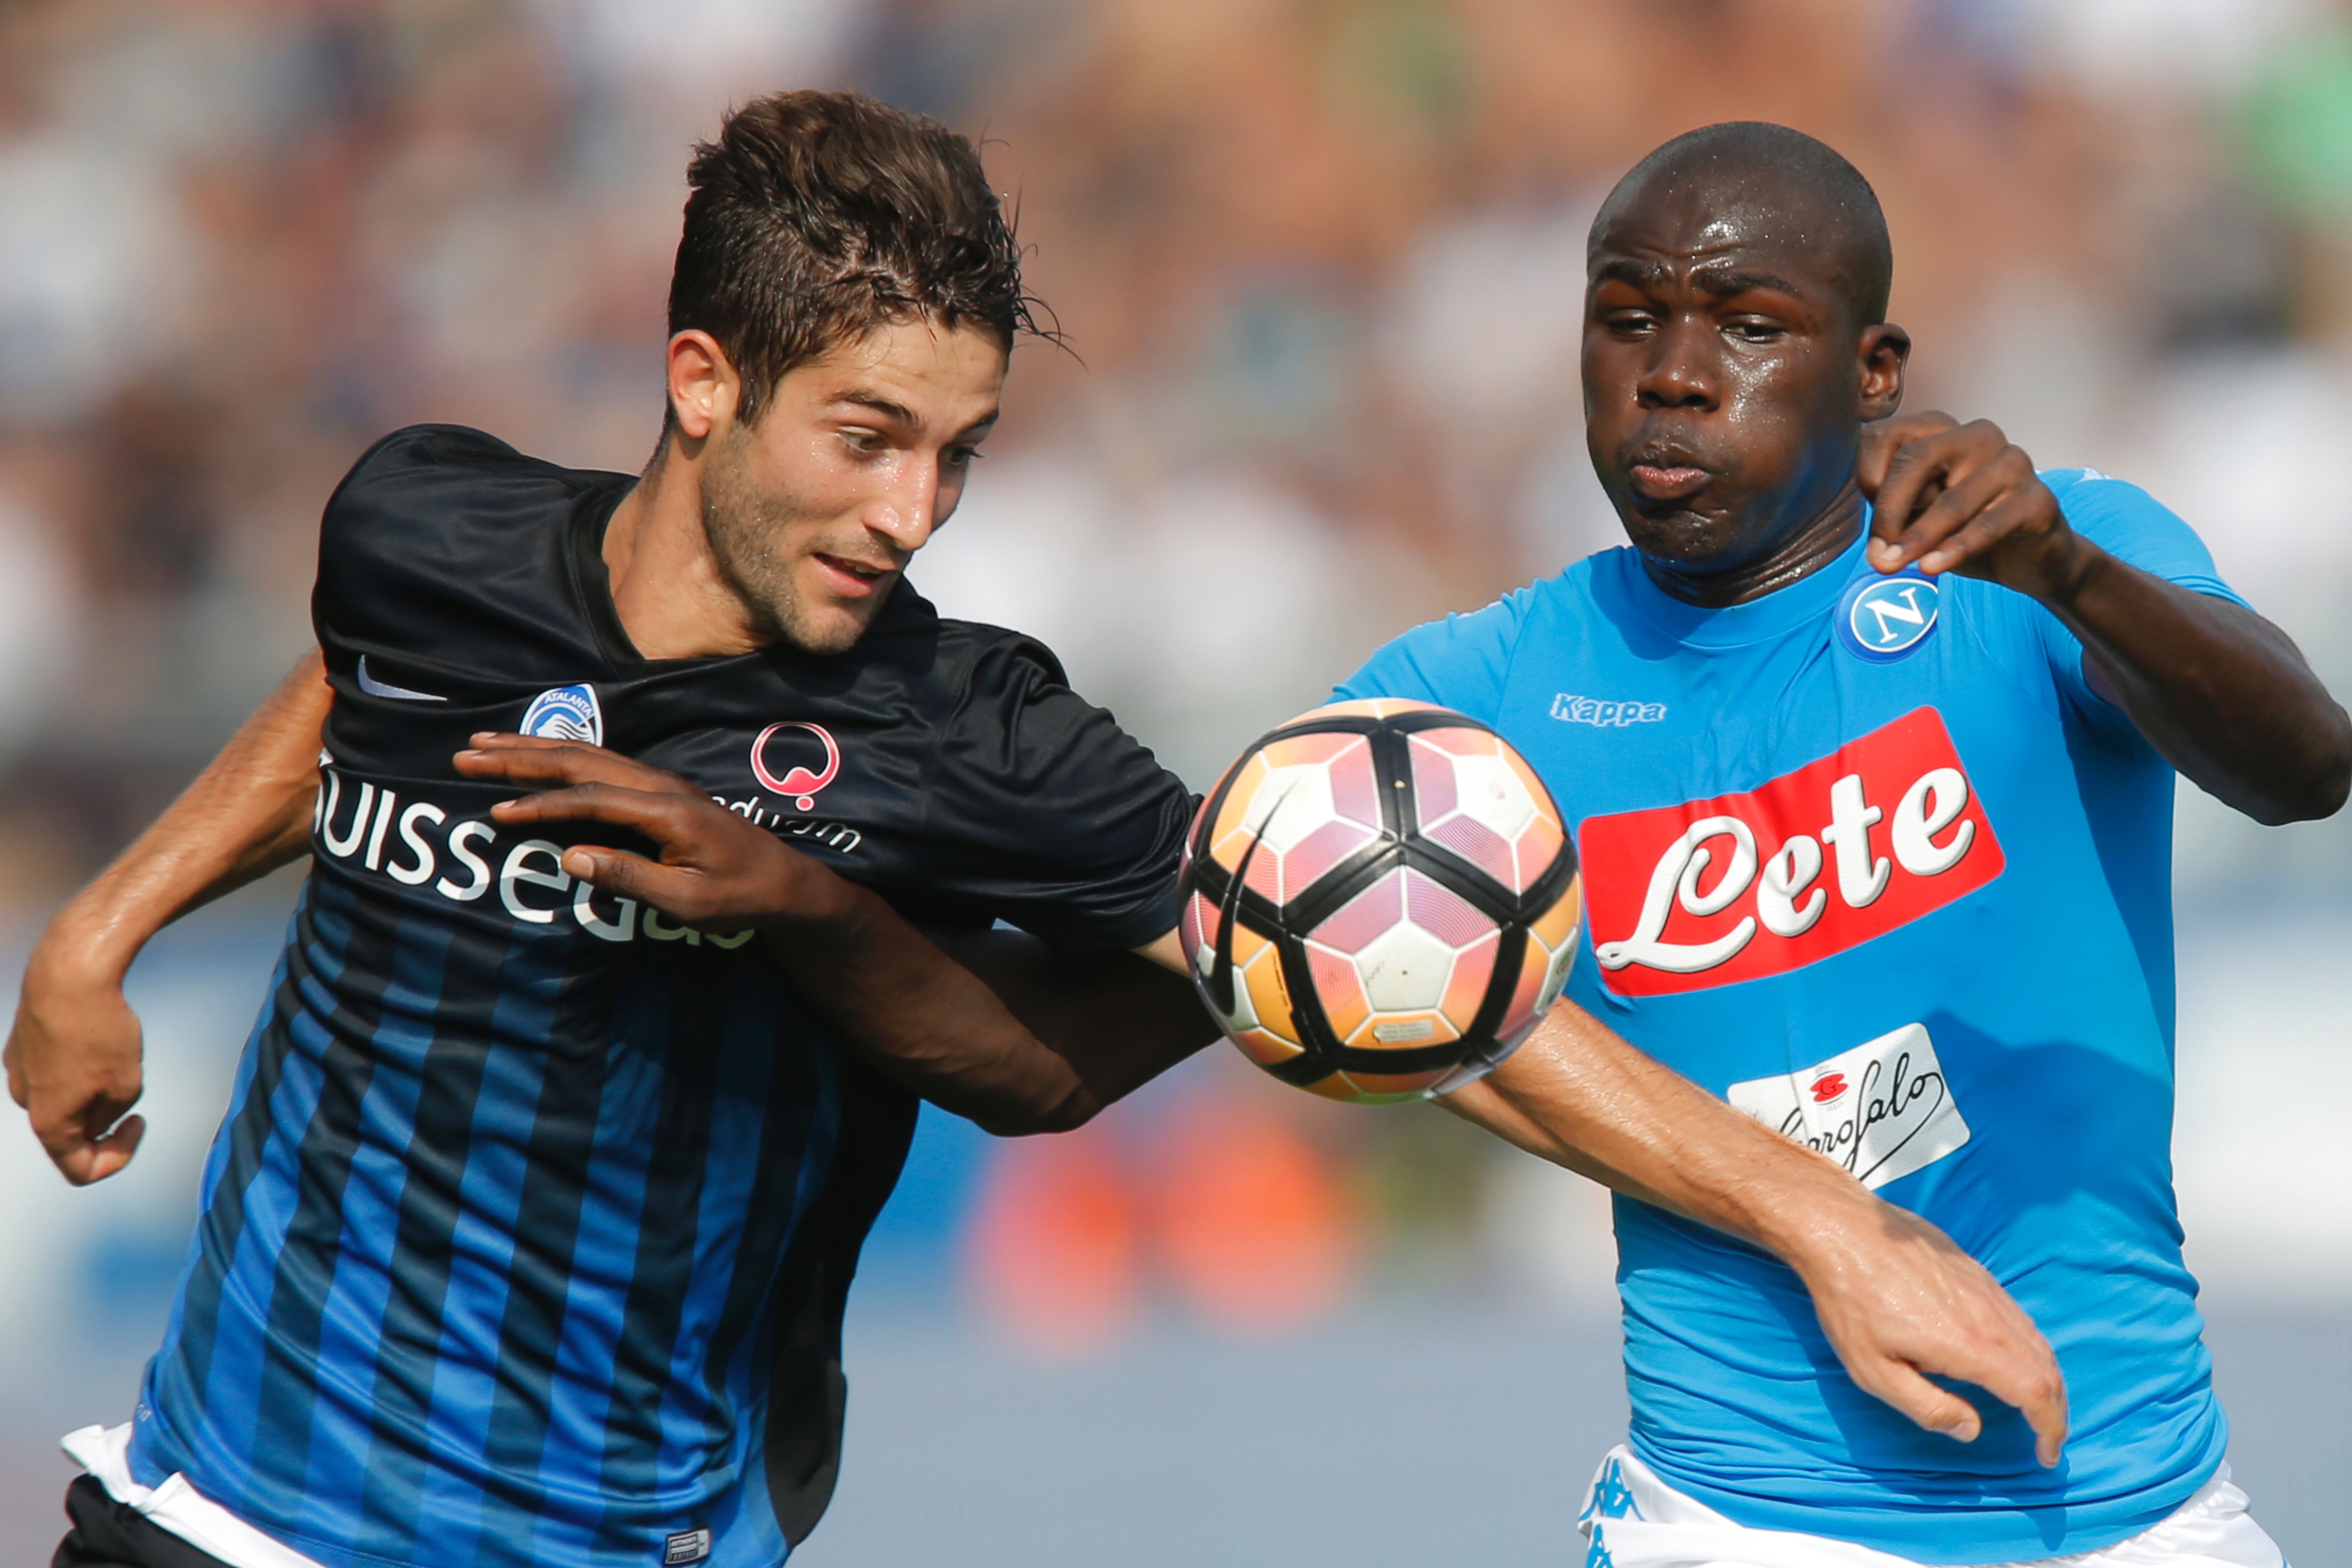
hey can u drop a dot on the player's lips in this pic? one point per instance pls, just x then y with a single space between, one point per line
1668 481
853 579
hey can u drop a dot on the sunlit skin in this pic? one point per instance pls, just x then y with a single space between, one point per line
796 527
1725 384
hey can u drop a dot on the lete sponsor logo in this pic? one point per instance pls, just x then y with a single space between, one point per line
1882 1109
1838 853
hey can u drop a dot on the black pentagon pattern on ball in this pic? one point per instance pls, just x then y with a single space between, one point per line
1399 844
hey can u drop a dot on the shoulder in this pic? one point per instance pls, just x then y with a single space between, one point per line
450 474
2132 525
447 543
1462 660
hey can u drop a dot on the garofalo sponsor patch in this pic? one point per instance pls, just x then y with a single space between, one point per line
1881 1110
1837 853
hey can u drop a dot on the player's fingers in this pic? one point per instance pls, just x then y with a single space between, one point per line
533 759
1996 522
1966 495
668 889
1933 1409
1883 439
2016 1366
658 817
1921 474
1915 474
102 1157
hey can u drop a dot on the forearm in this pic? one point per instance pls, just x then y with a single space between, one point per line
924 1018
1116 1019
246 814
2224 695
1580 1097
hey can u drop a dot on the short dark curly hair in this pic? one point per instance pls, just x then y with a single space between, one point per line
816 217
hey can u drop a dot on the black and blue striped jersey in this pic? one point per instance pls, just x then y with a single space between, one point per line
528 1234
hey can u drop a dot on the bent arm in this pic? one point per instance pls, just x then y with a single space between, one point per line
1005 1032
73 1056
246 814
2224 695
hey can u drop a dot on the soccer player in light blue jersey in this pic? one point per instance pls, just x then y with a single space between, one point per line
1869 740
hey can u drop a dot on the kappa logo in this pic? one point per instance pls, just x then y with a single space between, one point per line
1883 831
566 713
1602 713
1882 619
798 782
1882 1109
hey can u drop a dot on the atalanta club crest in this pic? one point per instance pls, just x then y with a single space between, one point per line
1882 619
566 713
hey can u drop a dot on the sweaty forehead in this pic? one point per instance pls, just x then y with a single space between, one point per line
1705 214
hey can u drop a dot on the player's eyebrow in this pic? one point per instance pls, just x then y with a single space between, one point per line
898 412
1724 282
1625 269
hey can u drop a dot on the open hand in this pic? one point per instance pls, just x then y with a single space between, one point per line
73 1061
1900 1300
716 869
1948 497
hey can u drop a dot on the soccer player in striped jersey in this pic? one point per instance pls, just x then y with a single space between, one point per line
528 1234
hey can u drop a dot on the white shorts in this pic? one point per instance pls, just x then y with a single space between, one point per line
1633 1520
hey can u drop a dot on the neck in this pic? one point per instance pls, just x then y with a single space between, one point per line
667 586
1798 554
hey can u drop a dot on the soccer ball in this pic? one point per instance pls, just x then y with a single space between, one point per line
1380 900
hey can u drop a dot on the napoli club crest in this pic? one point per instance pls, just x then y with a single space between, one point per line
1882 619
566 713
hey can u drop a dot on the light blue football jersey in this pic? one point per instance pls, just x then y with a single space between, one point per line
1868 857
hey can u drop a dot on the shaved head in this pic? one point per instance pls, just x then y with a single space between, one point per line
1749 174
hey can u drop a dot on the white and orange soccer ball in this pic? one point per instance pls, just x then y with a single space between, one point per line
1381 900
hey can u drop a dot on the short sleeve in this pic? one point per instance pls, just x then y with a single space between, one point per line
2133 526
1460 662
1040 811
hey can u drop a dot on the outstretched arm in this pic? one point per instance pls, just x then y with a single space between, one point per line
2220 691
74 1056
1004 1031
1897 1299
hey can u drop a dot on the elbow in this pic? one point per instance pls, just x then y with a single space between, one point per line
1074 1112
2326 781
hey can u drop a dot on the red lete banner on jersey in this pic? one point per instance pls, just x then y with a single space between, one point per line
1843 850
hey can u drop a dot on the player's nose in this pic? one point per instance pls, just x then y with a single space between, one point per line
1677 375
908 511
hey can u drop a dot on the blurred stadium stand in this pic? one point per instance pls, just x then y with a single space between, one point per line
1319 265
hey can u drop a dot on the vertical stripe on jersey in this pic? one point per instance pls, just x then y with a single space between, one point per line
630 1132
225 1346
804 1117
354 1329
546 1219
773 1099
331 1039
474 1255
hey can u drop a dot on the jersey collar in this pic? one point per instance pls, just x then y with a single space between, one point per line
1805 602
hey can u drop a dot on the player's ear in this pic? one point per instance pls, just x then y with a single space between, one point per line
704 388
1884 349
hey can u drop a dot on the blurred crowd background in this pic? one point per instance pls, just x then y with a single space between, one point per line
1319 264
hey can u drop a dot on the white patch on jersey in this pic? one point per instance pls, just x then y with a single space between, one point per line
1882 1109
566 713
686 1546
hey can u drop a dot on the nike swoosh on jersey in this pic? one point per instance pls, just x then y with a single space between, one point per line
374 688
